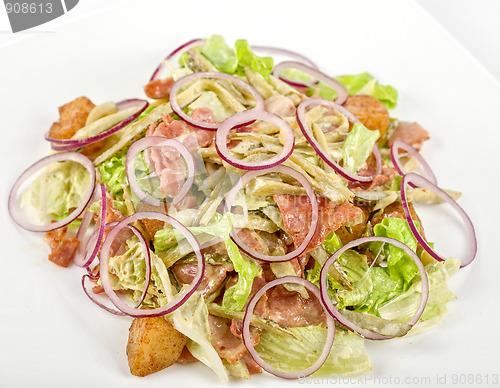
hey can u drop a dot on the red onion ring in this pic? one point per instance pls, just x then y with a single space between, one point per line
179 50
259 101
399 144
344 321
247 177
306 130
62 157
179 300
280 51
94 299
420 181
90 244
70 144
246 116
158 141
81 258
247 340
317 75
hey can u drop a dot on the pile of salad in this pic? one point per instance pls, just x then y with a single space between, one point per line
247 215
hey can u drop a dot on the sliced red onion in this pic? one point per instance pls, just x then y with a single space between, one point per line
399 144
316 75
287 53
93 298
62 157
306 130
179 50
70 144
247 177
420 181
179 300
343 320
247 339
92 242
246 116
82 259
158 141
176 87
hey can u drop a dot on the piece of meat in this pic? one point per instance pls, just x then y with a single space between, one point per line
252 366
159 88
411 133
213 276
297 211
387 176
228 346
370 111
186 357
167 163
72 117
62 247
354 231
280 105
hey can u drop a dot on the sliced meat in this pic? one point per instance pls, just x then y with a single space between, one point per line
411 133
395 210
387 176
159 88
296 211
186 357
63 248
228 346
370 111
252 366
73 116
280 105
212 278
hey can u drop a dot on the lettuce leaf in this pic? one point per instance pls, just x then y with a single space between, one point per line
348 355
365 83
246 58
57 190
220 54
358 146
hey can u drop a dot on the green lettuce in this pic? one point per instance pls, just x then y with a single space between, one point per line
57 190
365 83
358 146
246 58
114 176
348 355
220 226
403 307
220 54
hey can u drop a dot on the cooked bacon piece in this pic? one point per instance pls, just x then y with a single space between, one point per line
212 278
62 248
228 346
280 105
354 231
159 88
297 211
411 133
186 357
166 162
252 366
73 116
370 111
388 174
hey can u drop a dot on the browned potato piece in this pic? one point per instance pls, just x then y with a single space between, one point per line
73 116
153 345
370 111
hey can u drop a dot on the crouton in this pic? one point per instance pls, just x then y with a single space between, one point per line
73 116
153 345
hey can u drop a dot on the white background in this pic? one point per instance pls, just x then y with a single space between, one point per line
473 23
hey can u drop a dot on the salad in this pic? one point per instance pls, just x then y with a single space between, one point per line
250 215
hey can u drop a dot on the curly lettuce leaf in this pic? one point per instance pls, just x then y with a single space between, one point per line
348 355
220 54
57 190
358 146
247 58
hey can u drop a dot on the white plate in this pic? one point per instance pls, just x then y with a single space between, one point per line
51 335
